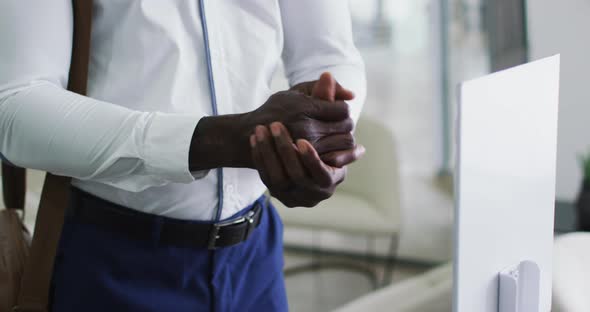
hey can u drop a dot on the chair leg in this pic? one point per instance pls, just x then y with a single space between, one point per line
315 236
371 258
319 264
391 261
314 246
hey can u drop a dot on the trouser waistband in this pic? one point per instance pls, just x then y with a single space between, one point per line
87 208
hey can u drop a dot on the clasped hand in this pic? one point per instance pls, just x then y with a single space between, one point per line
306 170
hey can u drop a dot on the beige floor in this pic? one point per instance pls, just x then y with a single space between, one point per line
330 288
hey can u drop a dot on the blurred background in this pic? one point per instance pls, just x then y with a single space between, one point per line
390 245
417 53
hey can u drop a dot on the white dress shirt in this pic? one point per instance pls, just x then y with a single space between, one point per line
128 141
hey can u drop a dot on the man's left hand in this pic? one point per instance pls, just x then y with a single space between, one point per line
295 174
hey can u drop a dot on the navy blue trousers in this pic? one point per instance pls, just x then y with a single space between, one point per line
97 270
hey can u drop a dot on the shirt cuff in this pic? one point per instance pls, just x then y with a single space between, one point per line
166 145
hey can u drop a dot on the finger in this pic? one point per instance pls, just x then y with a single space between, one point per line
325 88
319 172
343 94
270 160
319 128
340 174
339 159
336 142
257 160
287 152
328 111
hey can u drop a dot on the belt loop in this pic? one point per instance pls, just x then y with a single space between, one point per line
213 237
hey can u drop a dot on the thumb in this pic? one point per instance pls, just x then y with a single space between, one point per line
325 88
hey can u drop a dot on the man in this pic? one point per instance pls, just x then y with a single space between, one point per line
176 89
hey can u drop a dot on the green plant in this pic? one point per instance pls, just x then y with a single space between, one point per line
585 162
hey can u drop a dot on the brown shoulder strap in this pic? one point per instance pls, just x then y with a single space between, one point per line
81 46
13 186
34 293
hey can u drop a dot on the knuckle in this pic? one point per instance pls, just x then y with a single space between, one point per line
307 129
338 161
341 179
334 179
343 159
349 123
348 140
346 109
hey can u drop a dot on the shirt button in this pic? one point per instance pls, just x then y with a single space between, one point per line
229 188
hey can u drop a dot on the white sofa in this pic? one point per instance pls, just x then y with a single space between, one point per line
429 292
432 291
571 273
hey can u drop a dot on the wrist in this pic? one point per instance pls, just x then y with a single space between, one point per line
220 141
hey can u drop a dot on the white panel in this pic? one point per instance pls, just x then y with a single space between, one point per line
505 180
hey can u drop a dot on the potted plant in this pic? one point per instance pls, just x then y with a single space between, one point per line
583 204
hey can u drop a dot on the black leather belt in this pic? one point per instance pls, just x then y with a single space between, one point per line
88 208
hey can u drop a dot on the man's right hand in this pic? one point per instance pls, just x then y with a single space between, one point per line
223 141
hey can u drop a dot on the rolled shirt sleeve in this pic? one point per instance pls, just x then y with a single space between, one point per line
45 127
318 38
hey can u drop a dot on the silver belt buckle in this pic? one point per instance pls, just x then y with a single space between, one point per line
214 234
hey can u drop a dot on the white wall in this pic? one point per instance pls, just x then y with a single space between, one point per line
563 26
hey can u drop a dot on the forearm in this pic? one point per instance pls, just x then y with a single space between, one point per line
220 141
45 127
